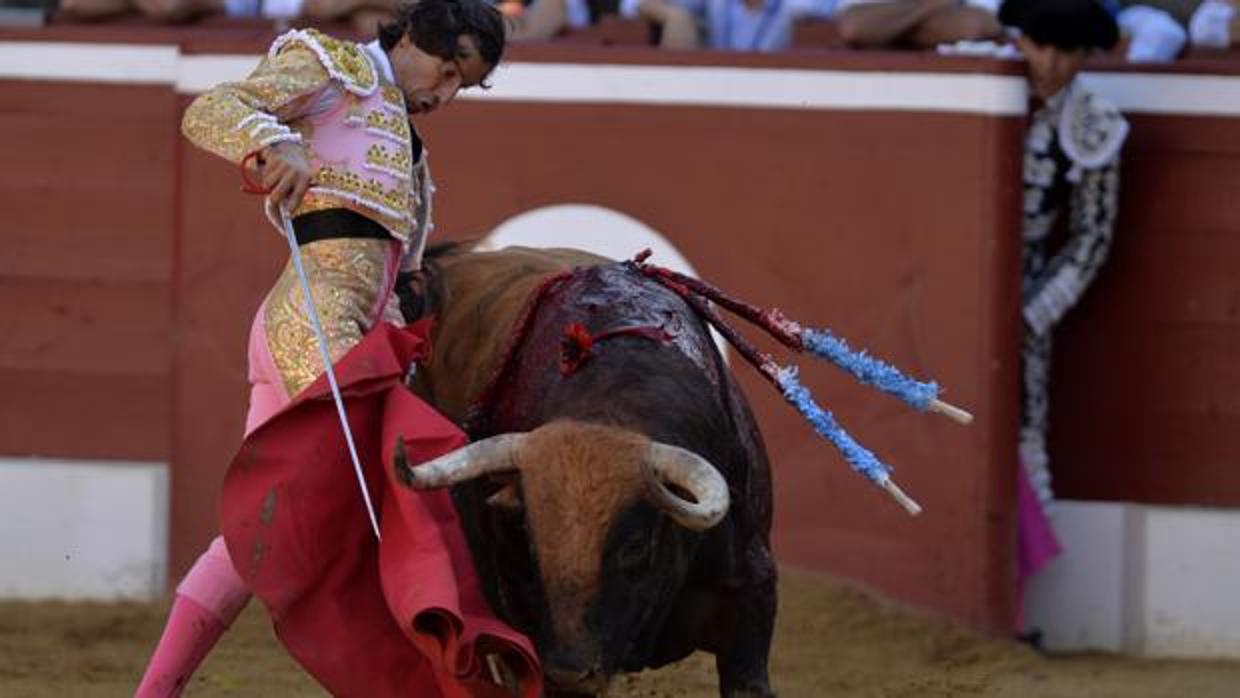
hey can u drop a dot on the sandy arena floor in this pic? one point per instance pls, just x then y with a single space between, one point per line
831 642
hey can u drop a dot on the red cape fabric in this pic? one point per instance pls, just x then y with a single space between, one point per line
405 617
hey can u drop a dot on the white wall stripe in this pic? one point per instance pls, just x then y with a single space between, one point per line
124 63
200 72
1206 95
1203 95
757 87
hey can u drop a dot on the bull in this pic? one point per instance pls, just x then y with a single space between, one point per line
617 495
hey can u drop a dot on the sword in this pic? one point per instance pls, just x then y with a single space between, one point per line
295 251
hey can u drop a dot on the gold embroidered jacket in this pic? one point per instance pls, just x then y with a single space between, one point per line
329 96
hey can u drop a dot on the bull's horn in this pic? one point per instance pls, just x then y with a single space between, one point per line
693 474
493 454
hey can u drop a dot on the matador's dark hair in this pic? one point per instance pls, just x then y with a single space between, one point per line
436 26
1065 24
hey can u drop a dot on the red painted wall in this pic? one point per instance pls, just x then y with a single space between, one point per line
86 269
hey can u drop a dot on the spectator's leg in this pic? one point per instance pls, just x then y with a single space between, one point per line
1154 35
879 24
680 31
85 10
366 20
175 11
960 23
330 10
542 20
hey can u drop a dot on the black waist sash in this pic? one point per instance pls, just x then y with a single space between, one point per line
336 223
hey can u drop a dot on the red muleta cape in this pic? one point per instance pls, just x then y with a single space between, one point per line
405 617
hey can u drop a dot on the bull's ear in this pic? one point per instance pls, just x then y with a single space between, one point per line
507 498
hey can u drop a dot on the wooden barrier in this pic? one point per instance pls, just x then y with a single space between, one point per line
890 215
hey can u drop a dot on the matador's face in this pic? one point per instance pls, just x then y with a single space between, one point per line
1050 67
428 81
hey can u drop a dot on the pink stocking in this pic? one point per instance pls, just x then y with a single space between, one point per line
208 601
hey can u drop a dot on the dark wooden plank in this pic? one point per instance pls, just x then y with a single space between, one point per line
1181 370
124 151
1169 281
87 231
1148 416
1168 191
97 102
70 414
1169 459
86 326
1200 134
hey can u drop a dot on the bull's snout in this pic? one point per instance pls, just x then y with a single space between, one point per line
570 673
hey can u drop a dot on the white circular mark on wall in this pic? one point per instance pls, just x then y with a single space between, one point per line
596 229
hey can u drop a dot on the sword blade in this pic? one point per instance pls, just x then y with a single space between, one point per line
295 252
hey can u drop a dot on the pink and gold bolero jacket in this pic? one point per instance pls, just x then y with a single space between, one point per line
336 98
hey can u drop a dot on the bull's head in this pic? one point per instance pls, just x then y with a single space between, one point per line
606 511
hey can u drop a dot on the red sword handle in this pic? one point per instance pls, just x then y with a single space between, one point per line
248 185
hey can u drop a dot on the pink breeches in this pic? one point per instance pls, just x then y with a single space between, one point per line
267 393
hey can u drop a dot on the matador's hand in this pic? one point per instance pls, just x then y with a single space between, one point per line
286 172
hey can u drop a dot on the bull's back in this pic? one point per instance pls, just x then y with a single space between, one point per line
485 295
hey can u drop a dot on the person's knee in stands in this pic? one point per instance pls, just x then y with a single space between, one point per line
87 10
678 25
916 23
163 11
866 23
174 11
540 20
961 23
